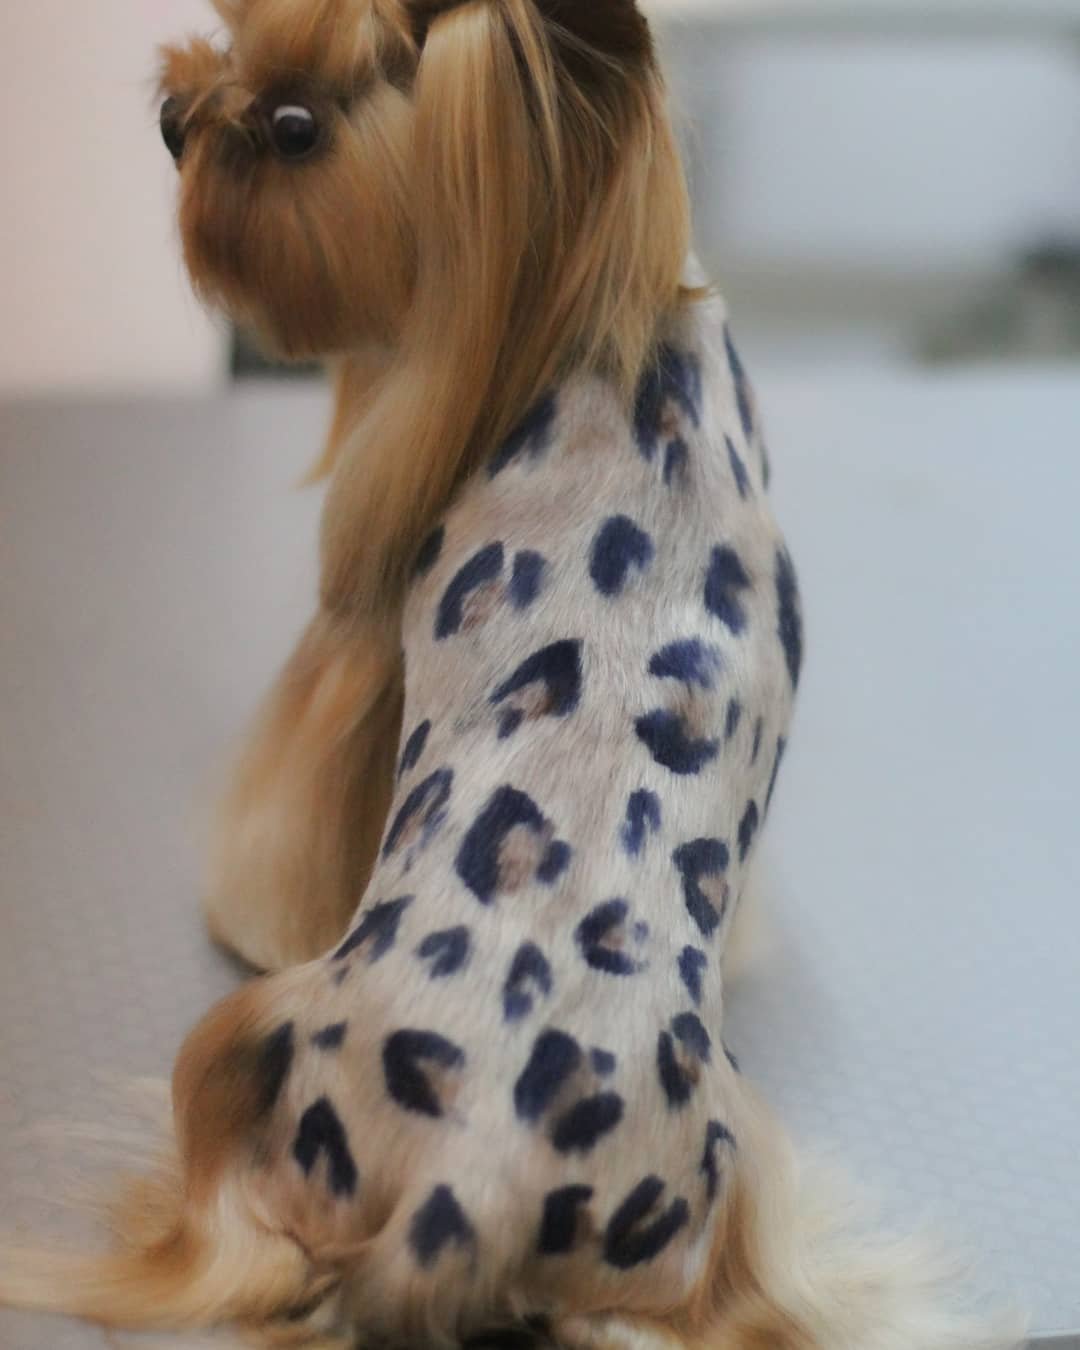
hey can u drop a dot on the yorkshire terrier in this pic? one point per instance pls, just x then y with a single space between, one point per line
530 737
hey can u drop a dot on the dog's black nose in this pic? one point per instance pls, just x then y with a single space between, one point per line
172 127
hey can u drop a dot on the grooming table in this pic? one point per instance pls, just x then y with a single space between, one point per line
917 1004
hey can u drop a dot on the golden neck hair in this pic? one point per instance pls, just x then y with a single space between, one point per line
552 226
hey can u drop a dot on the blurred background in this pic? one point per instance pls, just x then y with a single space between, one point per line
875 180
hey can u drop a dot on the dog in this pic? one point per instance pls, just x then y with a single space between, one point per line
493 829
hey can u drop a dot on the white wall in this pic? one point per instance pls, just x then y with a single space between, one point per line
92 295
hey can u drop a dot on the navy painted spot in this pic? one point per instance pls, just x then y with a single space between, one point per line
555 862
330 1038
479 856
274 1065
549 679
691 661
743 393
733 718
439 1222
748 828
555 1058
716 1136
603 1062
430 552
379 927
527 579
680 1053
414 748
692 963
529 979
408 1059
447 952
700 860
619 548
781 747
561 1220
676 463
738 468
586 1123
321 1132
766 467
759 728
725 581
731 1060
669 740
422 813
790 621
482 569
603 937
630 1239
531 436
642 819
670 389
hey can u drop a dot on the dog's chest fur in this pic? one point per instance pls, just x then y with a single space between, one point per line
513 1069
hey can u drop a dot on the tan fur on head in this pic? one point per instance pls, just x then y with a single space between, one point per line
497 198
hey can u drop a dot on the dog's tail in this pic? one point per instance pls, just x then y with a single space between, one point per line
190 1249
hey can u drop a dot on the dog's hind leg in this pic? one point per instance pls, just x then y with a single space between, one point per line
300 825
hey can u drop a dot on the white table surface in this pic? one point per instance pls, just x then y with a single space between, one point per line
918 1007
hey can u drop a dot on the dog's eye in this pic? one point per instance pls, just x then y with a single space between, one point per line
172 127
294 131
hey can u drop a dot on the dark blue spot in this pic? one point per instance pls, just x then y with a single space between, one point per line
414 748
724 581
680 1054
781 746
482 569
530 975
759 728
555 1058
619 547
273 1067
731 1060
700 859
330 1038
676 462
743 393
691 661
629 1240
478 858
531 436
586 1123
738 468
668 739
602 938
766 467
603 1061
438 1222
553 677
527 580
430 552
404 1055
692 963
748 828
321 1131
559 1225
447 951
555 862
790 620
423 811
734 717
642 819
669 389
716 1134
509 722
379 926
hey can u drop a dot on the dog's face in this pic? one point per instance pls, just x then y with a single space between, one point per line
292 144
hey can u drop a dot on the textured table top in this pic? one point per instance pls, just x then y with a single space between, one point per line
917 1006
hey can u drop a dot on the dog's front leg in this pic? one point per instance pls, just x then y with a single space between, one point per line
301 821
